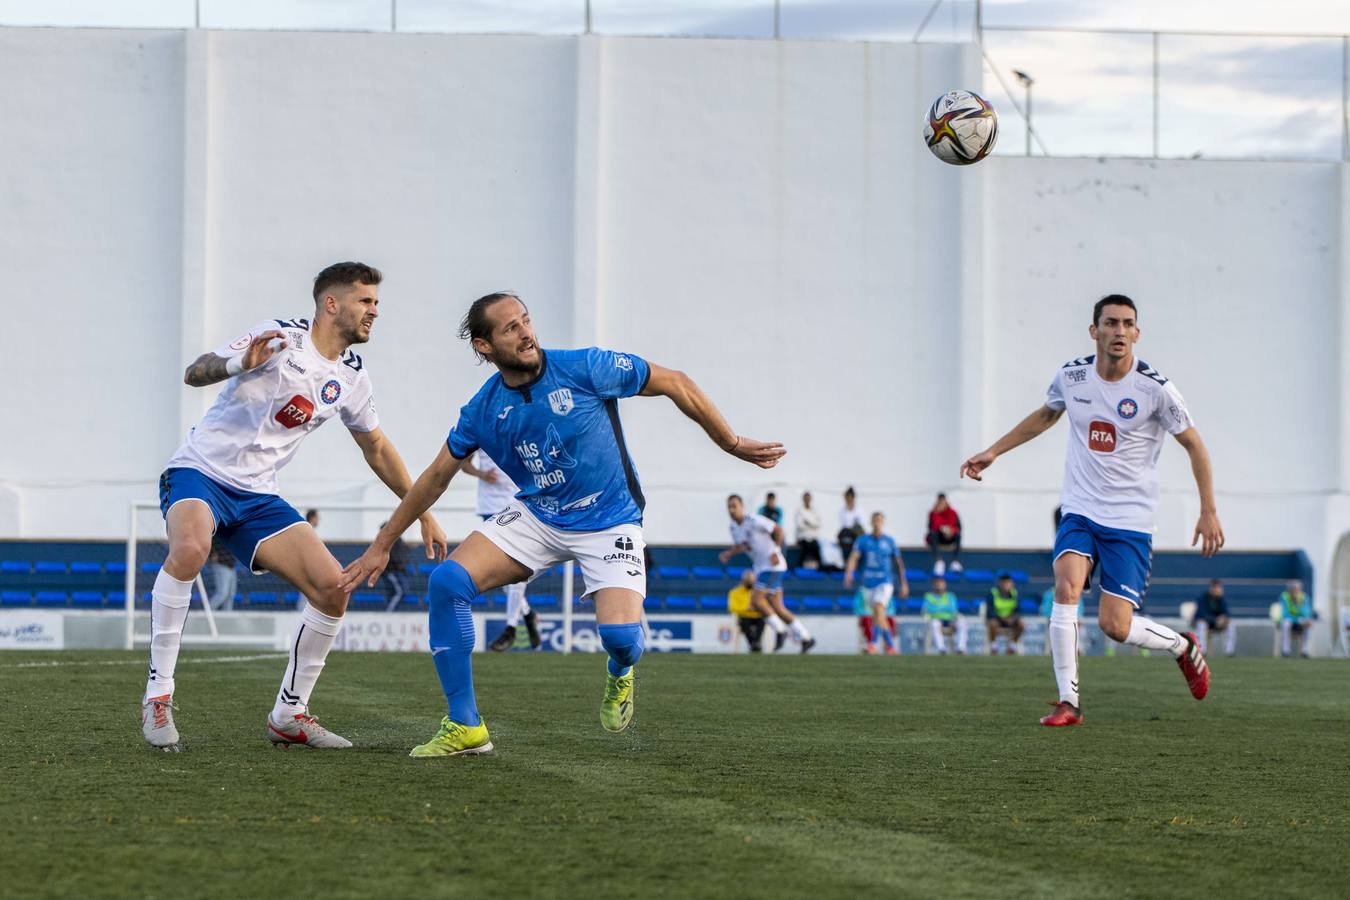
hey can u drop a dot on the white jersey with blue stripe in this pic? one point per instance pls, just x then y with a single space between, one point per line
261 416
1116 435
559 437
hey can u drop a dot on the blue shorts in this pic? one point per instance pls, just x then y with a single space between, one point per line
768 580
1123 558
243 519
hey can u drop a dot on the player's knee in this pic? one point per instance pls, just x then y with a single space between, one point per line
624 643
1115 628
449 582
188 555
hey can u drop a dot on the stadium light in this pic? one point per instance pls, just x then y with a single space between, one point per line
1027 82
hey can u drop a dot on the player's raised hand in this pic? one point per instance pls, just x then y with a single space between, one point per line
367 567
490 476
1208 530
437 544
260 349
763 454
974 467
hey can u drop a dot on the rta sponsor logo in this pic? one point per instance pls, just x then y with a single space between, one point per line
291 364
623 542
297 411
1102 437
1076 376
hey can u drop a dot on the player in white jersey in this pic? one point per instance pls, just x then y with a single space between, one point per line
1120 410
496 490
286 377
761 539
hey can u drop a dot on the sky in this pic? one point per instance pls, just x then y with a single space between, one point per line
1093 93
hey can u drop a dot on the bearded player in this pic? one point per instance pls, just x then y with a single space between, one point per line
286 377
550 419
1120 410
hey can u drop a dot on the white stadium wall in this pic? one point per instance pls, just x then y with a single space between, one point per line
761 214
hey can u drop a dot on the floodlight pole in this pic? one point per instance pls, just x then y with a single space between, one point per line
1027 81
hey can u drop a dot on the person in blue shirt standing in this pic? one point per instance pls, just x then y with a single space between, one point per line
550 420
878 554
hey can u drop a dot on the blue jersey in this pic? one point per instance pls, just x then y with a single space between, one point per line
559 437
878 557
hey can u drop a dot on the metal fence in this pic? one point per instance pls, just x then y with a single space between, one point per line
1159 94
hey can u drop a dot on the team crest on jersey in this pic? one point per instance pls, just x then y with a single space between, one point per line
561 401
1127 408
331 391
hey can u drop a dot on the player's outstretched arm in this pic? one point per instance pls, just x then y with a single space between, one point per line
384 460
428 488
210 368
1035 424
1207 529
695 404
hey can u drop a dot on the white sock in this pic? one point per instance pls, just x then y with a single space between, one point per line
516 607
309 649
775 623
1064 650
1230 639
799 630
1150 635
169 600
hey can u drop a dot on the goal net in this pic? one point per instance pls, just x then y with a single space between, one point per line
232 606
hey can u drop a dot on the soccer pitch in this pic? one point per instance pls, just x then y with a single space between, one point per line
741 777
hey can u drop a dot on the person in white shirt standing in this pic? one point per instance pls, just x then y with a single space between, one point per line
762 540
286 377
1120 410
496 490
807 521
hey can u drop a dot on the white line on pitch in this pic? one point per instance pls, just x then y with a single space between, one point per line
140 662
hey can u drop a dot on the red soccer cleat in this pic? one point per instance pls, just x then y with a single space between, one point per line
1194 667
1065 714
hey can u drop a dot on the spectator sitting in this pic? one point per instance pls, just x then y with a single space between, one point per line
1211 614
394 579
808 534
750 620
944 533
312 517
1296 619
944 619
771 510
850 523
1001 615
224 578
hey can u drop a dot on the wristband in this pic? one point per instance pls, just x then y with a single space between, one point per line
234 365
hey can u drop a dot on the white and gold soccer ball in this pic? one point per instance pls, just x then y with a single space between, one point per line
961 128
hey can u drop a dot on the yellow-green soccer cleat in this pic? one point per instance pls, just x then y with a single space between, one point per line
616 710
455 739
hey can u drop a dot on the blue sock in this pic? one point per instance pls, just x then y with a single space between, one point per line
623 643
886 636
450 625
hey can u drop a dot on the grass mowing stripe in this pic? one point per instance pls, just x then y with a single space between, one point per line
57 664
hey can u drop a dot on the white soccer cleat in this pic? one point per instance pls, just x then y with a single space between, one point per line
157 723
305 730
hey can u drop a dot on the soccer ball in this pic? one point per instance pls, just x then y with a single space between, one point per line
961 128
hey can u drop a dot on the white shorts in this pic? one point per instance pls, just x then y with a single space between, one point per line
612 558
882 594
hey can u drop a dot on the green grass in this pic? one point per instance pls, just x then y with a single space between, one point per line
741 777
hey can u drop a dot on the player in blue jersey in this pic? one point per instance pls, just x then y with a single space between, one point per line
878 553
550 419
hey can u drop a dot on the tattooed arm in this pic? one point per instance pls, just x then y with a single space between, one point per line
210 368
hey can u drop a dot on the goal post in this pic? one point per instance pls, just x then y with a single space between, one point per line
346 528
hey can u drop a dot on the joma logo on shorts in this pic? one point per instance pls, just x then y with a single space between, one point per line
1102 437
